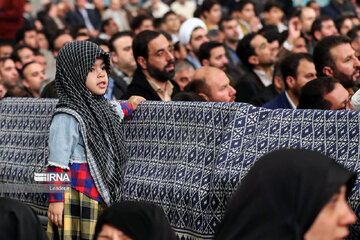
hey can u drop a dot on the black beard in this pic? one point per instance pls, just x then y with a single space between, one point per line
161 75
344 79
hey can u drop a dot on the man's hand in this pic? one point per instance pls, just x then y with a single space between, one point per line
135 101
55 213
294 30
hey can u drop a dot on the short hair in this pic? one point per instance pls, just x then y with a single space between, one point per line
24 67
166 34
140 44
316 26
289 65
271 4
104 23
240 5
167 14
352 33
205 49
181 65
98 41
15 55
208 4
18 91
20 33
138 20
322 56
188 97
313 92
226 18
198 86
244 49
118 35
340 21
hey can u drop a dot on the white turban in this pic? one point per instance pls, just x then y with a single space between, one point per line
188 27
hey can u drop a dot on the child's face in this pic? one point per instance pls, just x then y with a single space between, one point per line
97 79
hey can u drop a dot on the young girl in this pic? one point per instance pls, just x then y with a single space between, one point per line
86 140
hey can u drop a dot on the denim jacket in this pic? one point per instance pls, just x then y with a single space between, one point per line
66 144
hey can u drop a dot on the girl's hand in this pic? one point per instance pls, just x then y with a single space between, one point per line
55 213
135 101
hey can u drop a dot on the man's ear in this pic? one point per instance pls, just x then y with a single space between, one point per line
204 96
114 57
254 60
205 62
25 83
290 81
328 71
188 47
142 61
18 65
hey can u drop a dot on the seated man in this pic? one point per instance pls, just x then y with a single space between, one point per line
324 93
297 69
212 84
33 74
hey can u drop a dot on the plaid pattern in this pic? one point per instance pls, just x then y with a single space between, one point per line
80 217
127 109
81 180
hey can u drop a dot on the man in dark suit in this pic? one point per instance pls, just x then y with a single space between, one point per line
256 55
83 16
155 67
297 69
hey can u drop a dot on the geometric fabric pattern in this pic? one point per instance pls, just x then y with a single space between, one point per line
186 157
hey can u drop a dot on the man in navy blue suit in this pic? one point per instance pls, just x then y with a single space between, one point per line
83 16
297 69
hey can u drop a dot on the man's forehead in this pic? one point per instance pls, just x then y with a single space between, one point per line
217 50
257 41
158 43
346 50
198 31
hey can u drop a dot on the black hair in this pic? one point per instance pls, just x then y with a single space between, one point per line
340 21
205 49
289 65
188 97
240 5
105 23
322 56
226 18
167 14
208 4
99 41
244 49
140 44
20 33
271 4
117 36
316 26
15 55
167 35
138 20
24 67
352 34
313 92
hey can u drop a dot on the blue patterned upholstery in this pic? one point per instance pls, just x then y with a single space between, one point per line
186 157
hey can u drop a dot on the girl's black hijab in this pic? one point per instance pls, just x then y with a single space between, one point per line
100 126
282 194
138 220
19 222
